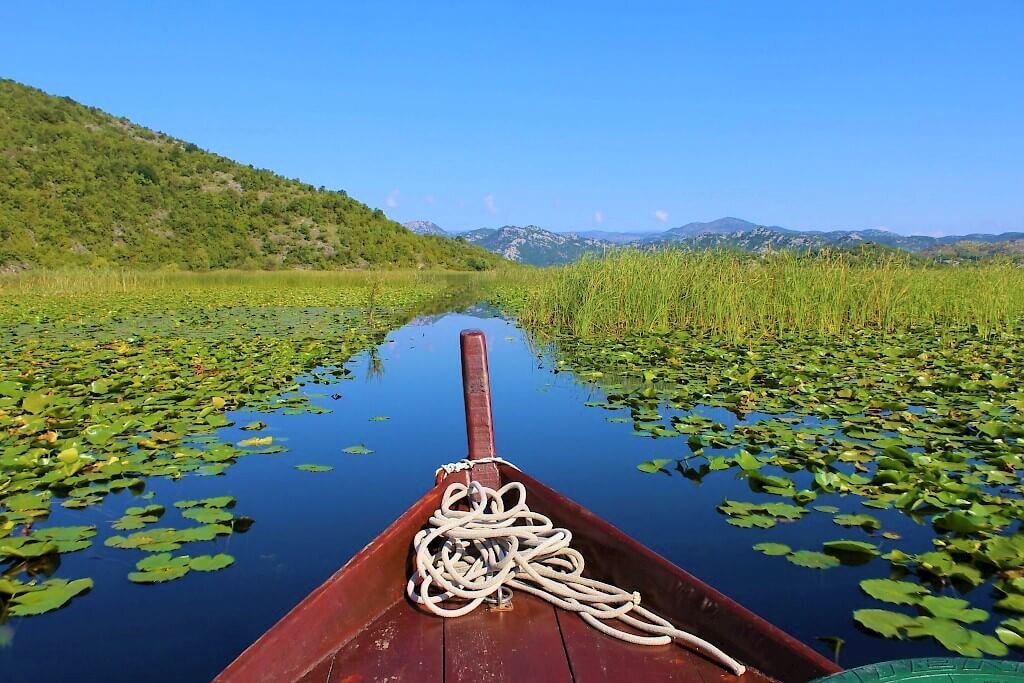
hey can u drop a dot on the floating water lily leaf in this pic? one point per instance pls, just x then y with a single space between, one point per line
956 609
828 509
50 595
25 547
1013 602
218 502
309 467
896 592
164 573
956 638
652 466
133 522
161 561
257 441
28 501
215 502
854 547
1011 632
149 510
773 549
812 559
884 622
255 426
207 515
36 402
960 522
68 539
750 521
211 563
746 461
357 450
865 521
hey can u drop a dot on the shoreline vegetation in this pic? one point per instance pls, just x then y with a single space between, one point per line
739 296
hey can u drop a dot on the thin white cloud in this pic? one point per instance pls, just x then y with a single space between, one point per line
661 215
598 217
392 200
489 203
429 199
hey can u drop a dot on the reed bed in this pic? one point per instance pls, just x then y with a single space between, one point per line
74 282
739 296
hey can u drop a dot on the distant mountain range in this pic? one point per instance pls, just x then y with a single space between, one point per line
536 246
426 228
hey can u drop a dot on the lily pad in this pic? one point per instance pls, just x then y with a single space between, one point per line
652 466
773 549
945 607
211 563
861 520
309 467
852 547
812 559
884 622
896 592
50 595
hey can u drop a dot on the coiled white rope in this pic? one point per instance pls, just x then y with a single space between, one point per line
478 554
467 464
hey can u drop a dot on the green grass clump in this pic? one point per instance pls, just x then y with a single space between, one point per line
740 296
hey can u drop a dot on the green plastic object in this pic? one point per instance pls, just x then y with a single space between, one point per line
933 670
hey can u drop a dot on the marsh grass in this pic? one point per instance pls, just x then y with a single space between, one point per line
740 296
72 282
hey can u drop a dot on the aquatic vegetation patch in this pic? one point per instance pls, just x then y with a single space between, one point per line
925 422
103 387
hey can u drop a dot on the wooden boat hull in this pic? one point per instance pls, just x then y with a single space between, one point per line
359 626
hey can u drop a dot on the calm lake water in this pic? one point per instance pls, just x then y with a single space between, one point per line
309 524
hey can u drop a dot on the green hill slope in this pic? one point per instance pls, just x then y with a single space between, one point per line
79 187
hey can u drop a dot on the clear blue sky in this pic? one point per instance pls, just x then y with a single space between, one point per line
628 115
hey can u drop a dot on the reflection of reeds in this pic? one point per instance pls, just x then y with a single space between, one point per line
741 296
375 368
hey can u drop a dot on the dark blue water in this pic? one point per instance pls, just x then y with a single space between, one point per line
308 525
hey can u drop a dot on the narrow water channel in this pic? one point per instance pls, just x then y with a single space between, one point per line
309 524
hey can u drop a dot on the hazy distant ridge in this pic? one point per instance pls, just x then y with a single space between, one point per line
537 246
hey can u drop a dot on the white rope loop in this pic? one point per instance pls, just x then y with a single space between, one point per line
477 555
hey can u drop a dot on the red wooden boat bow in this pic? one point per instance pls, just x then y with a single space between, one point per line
360 626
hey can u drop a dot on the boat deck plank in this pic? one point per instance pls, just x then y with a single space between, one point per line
597 657
521 644
403 644
531 642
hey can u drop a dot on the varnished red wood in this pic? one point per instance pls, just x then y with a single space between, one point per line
476 393
403 645
476 389
320 672
355 596
687 602
596 658
521 644
351 604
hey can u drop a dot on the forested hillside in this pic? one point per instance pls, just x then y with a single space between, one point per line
79 187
